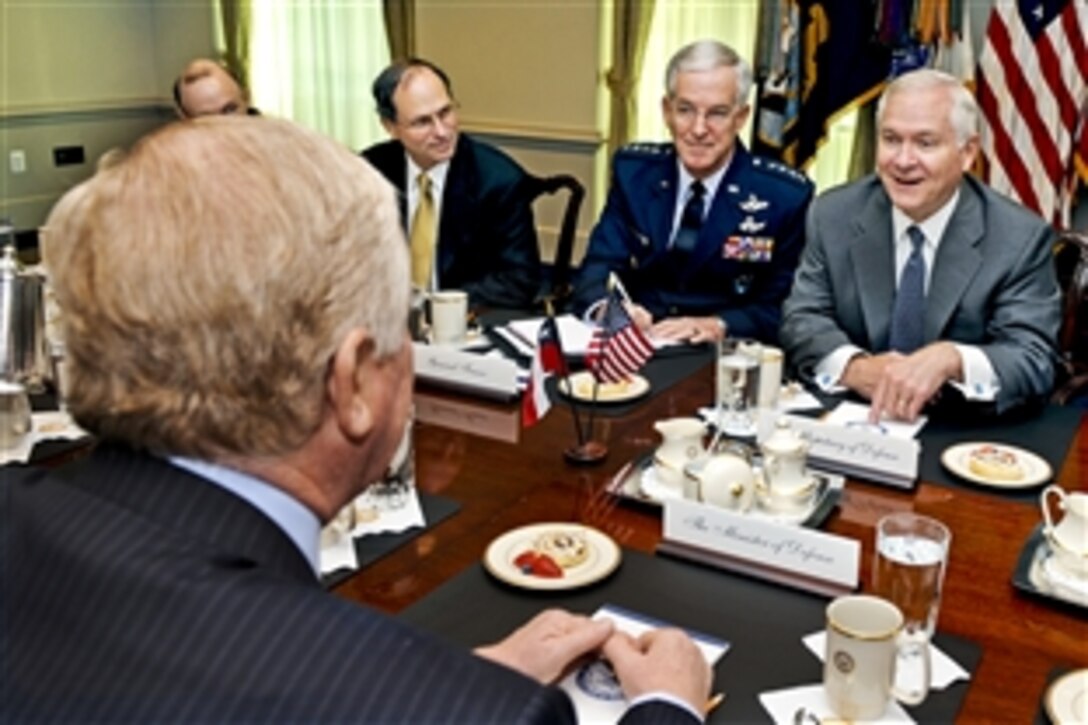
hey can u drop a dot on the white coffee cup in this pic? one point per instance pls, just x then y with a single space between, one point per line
865 639
449 314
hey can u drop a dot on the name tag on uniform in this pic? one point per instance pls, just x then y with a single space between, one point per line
748 249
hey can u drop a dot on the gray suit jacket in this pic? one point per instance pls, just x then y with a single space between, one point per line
993 285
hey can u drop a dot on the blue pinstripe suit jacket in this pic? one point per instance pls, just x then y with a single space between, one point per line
131 590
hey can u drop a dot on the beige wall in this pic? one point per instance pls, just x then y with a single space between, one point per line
85 73
99 74
527 76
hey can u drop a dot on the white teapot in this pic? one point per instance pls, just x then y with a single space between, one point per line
682 443
725 478
1069 537
784 455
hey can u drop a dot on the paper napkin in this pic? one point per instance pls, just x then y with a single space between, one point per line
593 687
47 425
784 705
848 413
371 517
944 670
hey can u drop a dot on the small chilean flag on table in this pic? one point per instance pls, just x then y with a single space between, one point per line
547 359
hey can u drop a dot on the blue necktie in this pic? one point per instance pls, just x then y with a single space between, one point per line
691 221
910 301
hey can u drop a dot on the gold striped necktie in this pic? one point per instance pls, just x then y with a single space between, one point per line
422 237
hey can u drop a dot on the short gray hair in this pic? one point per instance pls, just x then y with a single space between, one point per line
964 112
208 277
707 55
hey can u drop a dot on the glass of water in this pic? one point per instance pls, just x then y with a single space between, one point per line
909 567
737 380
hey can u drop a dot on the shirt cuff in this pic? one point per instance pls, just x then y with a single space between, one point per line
829 371
666 697
980 382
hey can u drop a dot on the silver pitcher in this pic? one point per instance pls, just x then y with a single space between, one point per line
24 351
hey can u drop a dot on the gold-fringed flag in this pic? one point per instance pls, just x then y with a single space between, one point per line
816 58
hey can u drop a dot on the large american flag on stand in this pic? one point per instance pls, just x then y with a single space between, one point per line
1033 92
618 348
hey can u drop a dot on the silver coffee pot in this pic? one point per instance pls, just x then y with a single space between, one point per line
24 351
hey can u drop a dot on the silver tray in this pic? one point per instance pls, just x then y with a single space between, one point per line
627 485
1030 575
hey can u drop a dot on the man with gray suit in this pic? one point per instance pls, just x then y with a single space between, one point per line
235 294
921 282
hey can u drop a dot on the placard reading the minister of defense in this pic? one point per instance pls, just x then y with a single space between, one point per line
767 545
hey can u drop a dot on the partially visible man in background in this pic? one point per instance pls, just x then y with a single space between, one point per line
464 203
206 88
235 295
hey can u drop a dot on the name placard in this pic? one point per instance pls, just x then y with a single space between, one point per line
791 555
489 377
853 451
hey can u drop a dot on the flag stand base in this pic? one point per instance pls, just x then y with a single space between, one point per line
589 453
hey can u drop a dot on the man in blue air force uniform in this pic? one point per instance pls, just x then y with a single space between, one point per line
704 236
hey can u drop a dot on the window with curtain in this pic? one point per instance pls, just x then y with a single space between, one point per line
831 164
314 62
676 23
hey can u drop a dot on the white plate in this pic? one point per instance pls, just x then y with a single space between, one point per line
654 488
636 387
1036 470
474 339
604 557
1067 698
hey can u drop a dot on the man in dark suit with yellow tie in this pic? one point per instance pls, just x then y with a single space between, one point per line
234 294
464 202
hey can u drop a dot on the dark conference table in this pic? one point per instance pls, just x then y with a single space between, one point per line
1026 641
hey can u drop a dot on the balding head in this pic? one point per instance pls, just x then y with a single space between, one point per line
206 88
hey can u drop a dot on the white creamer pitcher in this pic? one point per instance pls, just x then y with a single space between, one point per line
682 443
1069 535
784 455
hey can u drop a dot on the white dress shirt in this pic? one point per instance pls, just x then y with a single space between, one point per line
684 180
979 380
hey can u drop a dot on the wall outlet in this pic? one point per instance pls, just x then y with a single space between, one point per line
67 155
17 161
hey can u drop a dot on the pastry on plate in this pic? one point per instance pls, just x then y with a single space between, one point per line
994 463
583 388
566 548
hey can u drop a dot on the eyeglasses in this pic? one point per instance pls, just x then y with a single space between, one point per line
423 124
715 118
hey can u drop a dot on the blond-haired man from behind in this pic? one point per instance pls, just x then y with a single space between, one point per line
235 295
